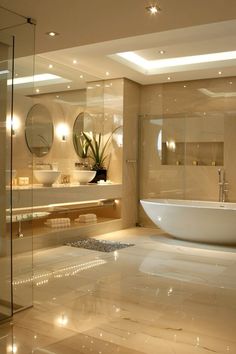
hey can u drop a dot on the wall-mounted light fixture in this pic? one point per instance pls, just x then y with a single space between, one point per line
13 124
171 145
62 131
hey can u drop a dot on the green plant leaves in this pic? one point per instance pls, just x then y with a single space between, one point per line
81 146
97 148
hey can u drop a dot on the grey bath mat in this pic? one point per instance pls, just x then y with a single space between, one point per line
99 245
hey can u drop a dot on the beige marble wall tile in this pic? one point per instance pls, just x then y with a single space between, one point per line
200 111
64 108
229 156
105 105
130 155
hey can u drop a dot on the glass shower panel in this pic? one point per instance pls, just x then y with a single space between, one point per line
205 144
161 159
17 162
22 162
6 62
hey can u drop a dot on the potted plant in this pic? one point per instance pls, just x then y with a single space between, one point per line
81 146
97 152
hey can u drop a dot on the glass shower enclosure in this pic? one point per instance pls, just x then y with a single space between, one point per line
16 43
186 137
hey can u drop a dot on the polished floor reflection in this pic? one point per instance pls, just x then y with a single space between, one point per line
160 296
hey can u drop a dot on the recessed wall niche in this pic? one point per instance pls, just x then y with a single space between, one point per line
196 141
195 153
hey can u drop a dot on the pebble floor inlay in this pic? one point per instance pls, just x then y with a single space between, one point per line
99 245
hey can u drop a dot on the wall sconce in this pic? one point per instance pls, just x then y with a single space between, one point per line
62 131
171 145
13 124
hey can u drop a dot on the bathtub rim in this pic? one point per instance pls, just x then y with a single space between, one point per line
188 203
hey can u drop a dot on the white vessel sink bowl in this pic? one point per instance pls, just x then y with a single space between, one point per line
46 177
83 176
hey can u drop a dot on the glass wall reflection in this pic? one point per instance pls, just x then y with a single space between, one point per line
16 43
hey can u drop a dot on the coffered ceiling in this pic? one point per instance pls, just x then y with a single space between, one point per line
92 33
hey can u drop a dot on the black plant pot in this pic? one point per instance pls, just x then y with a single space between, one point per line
100 175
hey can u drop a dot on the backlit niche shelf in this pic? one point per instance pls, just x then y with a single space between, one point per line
193 153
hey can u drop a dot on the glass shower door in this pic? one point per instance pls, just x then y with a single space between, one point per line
6 106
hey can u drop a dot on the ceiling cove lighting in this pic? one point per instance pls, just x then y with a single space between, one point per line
212 94
151 66
35 78
2 72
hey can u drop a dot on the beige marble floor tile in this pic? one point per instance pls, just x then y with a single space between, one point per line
160 296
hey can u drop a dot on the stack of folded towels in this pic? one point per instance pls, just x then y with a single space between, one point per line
87 218
58 222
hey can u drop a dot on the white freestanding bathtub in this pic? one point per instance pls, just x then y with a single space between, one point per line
210 222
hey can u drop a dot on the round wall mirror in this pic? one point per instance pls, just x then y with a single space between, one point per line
84 122
39 130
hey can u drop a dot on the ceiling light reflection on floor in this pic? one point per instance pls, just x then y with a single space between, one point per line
71 271
12 349
62 320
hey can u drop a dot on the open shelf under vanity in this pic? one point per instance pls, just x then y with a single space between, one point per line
65 202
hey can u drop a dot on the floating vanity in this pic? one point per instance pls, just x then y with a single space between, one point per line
57 194
60 201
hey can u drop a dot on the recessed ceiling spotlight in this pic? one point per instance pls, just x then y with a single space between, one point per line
68 86
16 74
98 85
153 9
50 66
57 96
162 52
107 73
74 61
81 76
37 90
220 72
231 82
52 34
168 78
185 86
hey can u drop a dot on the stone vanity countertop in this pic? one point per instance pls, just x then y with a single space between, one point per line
57 185
73 193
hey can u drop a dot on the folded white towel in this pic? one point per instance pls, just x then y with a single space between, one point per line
87 217
58 222
86 221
